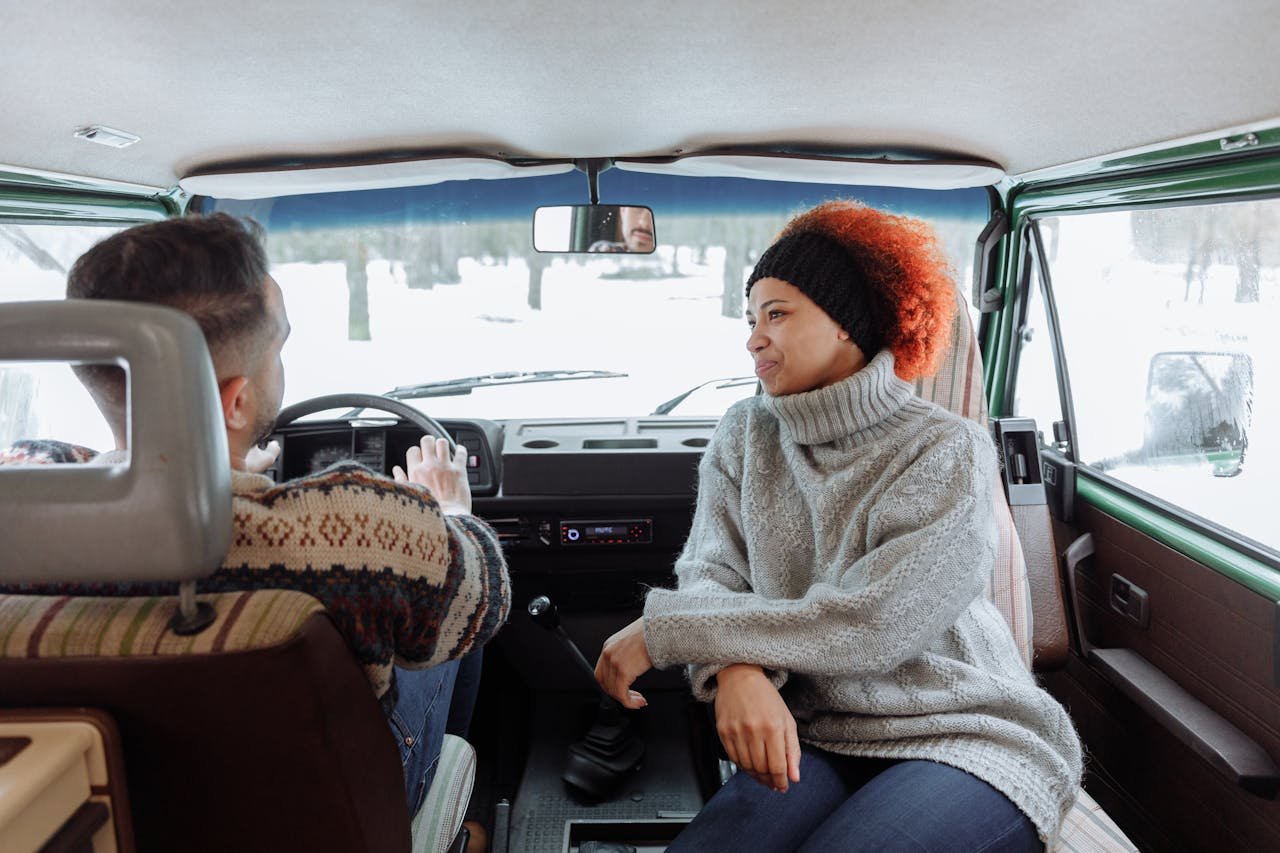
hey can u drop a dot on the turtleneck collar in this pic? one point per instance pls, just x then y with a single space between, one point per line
865 400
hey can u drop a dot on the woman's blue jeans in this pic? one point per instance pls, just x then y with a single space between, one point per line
430 703
854 804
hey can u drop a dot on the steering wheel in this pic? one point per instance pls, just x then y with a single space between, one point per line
418 418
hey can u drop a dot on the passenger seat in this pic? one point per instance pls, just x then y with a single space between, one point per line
1038 624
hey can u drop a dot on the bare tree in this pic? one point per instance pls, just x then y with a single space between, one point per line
737 257
1248 225
538 264
17 417
1200 246
16 237
358 290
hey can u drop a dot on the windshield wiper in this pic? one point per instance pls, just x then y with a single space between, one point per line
731 382
465 385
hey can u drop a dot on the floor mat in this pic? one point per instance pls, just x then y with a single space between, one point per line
664 787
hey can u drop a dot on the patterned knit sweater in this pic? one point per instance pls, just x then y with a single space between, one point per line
405 584
841 541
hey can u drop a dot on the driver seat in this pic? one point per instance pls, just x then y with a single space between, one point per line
257 732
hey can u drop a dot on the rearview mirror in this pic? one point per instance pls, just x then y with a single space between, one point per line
594 228
1200 404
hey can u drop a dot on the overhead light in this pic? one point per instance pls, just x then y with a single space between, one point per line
104 135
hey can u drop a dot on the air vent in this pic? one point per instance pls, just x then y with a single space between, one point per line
510 530
619 443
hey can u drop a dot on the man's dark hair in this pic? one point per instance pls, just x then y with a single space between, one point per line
210 267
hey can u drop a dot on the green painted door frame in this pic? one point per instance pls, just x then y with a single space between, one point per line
1155 180
28 197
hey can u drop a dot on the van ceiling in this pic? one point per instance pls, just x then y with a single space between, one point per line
1027 85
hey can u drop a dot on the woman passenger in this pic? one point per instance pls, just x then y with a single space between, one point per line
830 599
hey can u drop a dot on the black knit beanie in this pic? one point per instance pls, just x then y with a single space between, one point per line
823 270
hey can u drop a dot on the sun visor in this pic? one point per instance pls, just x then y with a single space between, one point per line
877 172
271 183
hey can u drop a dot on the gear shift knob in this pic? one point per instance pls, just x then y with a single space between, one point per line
543 611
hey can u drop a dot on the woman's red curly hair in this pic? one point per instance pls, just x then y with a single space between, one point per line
907 271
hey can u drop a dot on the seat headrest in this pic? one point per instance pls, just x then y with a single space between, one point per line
166 515
957 385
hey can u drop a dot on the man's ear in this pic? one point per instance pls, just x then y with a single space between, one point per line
233 394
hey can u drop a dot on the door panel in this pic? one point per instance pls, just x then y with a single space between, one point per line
1149 335
1204 628
1213 637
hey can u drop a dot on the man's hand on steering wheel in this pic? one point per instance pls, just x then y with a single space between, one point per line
431 464
259 459
428 464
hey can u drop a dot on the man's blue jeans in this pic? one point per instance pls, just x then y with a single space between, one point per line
431 702
854 804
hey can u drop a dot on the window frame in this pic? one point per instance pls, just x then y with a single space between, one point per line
35 198
1253 176
1032 263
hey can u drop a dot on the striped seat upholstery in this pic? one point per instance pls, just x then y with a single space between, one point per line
440 818
39 626
1088 829
957 386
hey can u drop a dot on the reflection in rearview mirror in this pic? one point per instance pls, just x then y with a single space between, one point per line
1199 404
594 228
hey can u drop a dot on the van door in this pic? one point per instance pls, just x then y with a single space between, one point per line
1141 329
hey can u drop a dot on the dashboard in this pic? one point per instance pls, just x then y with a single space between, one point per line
579 485
310 446
589 512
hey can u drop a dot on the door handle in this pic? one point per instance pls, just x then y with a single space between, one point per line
1075 554
1129 600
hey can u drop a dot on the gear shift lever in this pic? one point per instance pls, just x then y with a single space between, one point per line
610 751
542 610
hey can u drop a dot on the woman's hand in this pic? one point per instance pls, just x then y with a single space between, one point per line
623 659
428 464
756 727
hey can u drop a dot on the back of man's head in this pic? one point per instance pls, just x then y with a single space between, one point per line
211 267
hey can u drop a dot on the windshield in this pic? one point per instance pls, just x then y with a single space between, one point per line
401 287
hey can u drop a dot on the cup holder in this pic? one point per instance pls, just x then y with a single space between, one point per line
541 444
697 441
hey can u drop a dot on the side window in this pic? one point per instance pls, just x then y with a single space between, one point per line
42 400
1036 385
1169 321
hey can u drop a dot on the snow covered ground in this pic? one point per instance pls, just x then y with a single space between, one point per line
665 333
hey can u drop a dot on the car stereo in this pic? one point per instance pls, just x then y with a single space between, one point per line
624 531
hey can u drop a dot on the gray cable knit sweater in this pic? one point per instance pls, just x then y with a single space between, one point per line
842 540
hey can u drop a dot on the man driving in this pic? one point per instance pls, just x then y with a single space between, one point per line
415 583
634 227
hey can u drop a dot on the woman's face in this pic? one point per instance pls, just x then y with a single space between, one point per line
796 345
